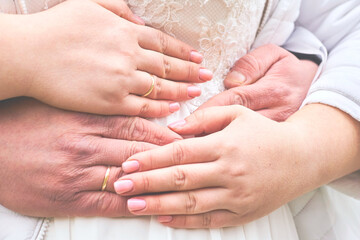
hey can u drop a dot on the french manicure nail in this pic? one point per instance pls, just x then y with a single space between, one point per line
123 186
177 124
194 91
205 74
136 204
174 107
196 57
164 219
130 166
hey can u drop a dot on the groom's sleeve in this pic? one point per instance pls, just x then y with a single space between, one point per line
336 23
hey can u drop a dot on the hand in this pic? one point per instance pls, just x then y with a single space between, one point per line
94 61
53 162
268 80
245 168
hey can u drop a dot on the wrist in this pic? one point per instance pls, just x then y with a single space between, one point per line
14 75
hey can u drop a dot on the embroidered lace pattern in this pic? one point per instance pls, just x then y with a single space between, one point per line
222 30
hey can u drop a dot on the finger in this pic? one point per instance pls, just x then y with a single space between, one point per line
113 152
145 107
172 68
103 204
256 96
163 89
254 65
214 219
177 178
96 176
178 153
130 129
158 41
120 8
191 202
206 121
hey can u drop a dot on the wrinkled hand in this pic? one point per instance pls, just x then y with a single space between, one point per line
268 80
53 162
224 179
95 61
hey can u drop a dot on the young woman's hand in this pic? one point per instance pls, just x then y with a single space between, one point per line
268 80
83 57
247 167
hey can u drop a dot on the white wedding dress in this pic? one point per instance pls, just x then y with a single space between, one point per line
222 30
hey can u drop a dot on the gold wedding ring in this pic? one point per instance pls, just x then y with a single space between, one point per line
151 88
106 179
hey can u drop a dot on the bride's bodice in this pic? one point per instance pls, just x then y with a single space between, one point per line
222 30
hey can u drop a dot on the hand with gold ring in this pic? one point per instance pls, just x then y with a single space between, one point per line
97 62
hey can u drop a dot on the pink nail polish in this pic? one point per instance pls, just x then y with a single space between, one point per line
139 20
123 186
205 74
174 107
194 91
164 219
196 57
136 204
130 166
177 124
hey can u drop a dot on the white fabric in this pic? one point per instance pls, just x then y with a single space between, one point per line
318 215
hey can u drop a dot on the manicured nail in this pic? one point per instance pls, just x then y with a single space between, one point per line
237 77
139 20
123 186
164 219
196 57
194 91
177 124
174 107
205 74
136 204
130 166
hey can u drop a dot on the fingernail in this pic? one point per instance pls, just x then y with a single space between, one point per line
130 166
174 107
139 20
123 186
205 74
194 91
136 204
196 57
164 219
236 77
177 124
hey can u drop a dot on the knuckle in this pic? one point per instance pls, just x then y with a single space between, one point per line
250 63
163 41
158 89
239 98
190 203
179 179
166 66
144 109
190 71
135 147
178 155
145 183
207 220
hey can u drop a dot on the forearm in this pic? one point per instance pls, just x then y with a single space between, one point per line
329 144
12 43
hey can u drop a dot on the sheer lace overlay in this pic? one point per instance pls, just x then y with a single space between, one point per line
222 30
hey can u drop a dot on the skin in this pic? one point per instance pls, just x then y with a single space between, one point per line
244 167
268 80
53 162
101 64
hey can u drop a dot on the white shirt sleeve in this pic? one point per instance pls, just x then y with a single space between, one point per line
336 23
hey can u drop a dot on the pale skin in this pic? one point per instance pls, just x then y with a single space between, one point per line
245 166
95 61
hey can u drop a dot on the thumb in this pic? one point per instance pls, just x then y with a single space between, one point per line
254 65
207 120
120 8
